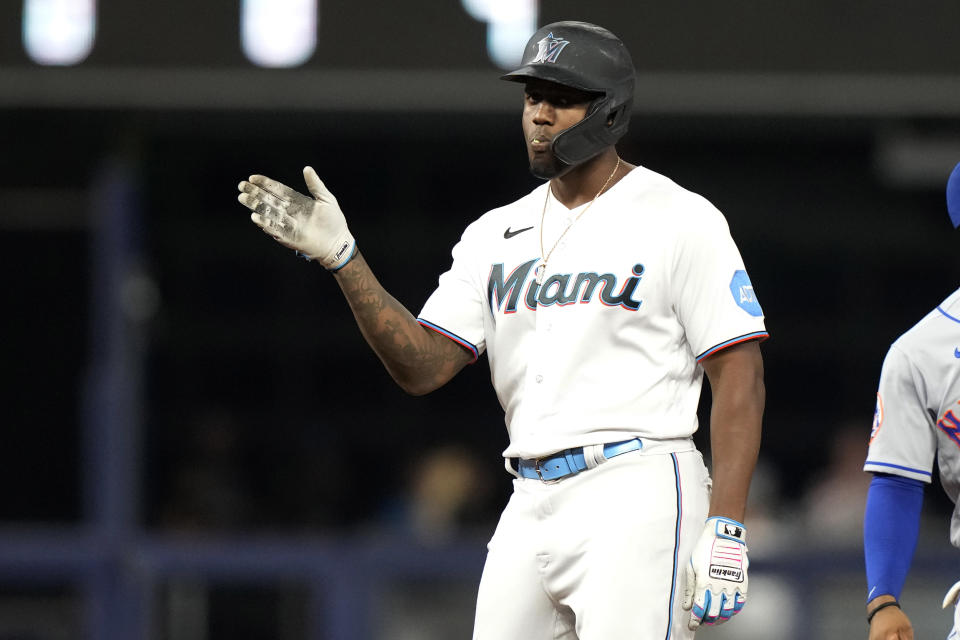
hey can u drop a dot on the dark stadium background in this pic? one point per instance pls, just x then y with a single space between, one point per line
249 402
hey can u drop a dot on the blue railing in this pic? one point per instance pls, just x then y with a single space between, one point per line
118 580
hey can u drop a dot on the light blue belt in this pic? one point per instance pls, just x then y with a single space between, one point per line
569 461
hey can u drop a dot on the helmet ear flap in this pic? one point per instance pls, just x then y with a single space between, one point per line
614 116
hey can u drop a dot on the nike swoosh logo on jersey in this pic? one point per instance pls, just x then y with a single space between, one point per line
509 234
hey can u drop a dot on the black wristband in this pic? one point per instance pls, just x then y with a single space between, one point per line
884 605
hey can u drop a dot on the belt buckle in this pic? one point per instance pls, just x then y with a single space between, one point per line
536 467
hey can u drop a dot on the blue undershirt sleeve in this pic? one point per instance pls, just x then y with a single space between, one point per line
891 526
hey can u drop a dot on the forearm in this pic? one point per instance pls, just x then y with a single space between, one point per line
891 528
418 359
735 429
735 445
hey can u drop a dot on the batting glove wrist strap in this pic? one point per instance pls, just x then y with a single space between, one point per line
347 249
314 227
715 579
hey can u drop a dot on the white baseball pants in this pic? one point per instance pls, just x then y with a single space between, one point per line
598 555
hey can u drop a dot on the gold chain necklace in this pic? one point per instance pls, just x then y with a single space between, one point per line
545 256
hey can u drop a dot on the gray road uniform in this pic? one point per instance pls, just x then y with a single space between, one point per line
918 405
917 418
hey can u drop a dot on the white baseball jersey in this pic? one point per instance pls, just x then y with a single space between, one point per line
643 286
917 416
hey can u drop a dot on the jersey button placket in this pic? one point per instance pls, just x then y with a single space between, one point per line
541 323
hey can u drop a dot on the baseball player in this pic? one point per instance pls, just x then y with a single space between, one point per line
917 418
599 298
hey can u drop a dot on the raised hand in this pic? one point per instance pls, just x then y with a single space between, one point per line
314 227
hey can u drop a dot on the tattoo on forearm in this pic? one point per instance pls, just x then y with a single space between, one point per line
393 332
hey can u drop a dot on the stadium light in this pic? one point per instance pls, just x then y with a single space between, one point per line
509 24
59 32
278 33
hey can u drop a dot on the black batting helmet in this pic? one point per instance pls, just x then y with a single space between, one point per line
587 57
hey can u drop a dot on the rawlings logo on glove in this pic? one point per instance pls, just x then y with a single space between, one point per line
715 579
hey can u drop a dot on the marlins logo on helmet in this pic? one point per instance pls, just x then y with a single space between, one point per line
550 48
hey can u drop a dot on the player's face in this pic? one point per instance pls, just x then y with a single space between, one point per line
548 109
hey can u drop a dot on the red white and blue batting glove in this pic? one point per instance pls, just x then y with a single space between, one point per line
715 579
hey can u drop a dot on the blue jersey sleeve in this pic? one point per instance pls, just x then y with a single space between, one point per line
891 526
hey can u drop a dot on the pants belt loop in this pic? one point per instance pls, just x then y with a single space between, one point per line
572 464
593 455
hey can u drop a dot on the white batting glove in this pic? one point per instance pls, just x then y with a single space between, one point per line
314 227
715 579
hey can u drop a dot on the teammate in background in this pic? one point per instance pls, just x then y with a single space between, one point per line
917 415
600 298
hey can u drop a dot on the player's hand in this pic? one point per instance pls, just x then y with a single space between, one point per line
715 579
315 226
889 623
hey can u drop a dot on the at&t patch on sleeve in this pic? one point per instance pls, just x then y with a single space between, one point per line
743 295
